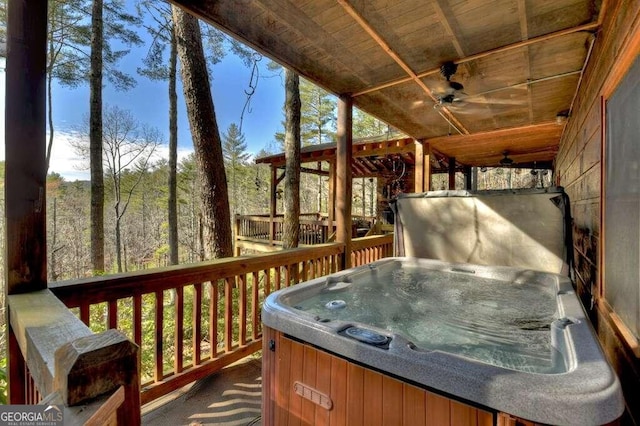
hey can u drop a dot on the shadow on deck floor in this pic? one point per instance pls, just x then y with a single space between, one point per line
231 397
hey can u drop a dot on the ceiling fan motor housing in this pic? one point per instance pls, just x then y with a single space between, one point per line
448 69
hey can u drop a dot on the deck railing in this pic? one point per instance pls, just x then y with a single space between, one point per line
191 321
368 249
314 228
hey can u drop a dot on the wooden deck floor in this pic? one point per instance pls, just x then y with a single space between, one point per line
231 397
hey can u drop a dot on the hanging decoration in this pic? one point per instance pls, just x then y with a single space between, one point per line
253 85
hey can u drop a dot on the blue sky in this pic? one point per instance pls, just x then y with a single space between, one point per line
148 102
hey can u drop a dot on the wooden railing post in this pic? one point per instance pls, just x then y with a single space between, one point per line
65 358
97 364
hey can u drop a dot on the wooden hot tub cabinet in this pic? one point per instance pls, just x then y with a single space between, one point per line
349 394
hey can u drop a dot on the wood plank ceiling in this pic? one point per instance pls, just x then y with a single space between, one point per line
519 63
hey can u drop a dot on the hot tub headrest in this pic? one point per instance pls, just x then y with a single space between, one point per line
523 228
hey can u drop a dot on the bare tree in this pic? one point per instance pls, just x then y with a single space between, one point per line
128 146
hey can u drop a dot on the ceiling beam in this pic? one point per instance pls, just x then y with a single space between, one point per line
514 132
446 21
586 27
314 171
393 55
524 35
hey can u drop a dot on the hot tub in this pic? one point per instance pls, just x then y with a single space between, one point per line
500 339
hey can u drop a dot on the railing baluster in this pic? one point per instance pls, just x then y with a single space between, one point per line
137 319
287 275
213 318
228 314
255 307
242 283
16 370
179 330
85 313
197 323
159 370
278 277
112 316
267 282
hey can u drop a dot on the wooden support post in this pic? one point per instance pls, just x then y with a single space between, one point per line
467 178
452 172
423 167
25 171
343 176
331 207
25 140
273 205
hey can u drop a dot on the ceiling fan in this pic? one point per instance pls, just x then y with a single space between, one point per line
450 94
452 91
506 161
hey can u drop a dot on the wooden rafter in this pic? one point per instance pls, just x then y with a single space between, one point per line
442 9
389 50
524 35
592 26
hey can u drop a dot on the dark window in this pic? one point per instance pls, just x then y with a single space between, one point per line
622 200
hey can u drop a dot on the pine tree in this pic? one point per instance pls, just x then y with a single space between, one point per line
234 150
216 216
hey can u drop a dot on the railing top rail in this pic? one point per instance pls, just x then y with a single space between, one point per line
371 241
94 289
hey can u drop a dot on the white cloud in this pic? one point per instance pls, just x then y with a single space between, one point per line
65 160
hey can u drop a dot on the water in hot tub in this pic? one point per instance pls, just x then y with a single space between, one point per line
504 323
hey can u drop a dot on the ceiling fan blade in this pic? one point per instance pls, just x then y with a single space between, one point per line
485 100
463 108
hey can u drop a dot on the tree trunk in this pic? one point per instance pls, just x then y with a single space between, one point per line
49 117
54 242
291 229
206 138
173 153
95 140
118 243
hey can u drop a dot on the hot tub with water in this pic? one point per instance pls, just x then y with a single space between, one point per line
506 336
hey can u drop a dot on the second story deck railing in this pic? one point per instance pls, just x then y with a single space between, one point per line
314 228
191 321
